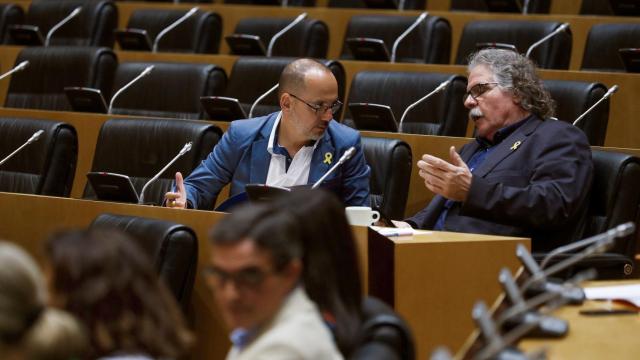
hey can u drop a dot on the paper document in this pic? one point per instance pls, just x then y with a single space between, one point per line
629 293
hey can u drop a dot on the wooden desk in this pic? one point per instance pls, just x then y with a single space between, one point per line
593 337
431 279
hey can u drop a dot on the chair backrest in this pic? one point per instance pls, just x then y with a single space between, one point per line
535 6
442 114
252 76
92 27
574 98
170 90
615 197
408 4
309 38
51 69
390 162
44 167
610 7
140 148
385 335
554 54
10 14
172 247
430 42
273 2
198 34
603 42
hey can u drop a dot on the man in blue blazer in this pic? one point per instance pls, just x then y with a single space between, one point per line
295 146
525 174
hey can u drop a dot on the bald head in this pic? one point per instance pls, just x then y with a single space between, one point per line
292 79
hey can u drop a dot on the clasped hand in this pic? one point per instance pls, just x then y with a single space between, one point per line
451 179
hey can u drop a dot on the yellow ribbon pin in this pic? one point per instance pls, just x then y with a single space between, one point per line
327 158
516 144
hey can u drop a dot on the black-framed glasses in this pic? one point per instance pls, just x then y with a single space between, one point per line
247 279
321 109
478 89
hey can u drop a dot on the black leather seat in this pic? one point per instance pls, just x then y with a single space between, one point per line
615 199
200 33
574 98
391 163
430 42
170 90
309 38
253 76
92 27
140 148
554 54
610 7
172 247
443 114
273 2
408 4
535 6
44 167
385 335
603 42
51 69
10 14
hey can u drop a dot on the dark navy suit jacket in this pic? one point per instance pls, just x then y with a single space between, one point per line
535 183
241 158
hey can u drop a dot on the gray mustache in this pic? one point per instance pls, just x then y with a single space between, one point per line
475 113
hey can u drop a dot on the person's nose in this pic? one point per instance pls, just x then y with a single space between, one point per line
327 115
229 290
470 102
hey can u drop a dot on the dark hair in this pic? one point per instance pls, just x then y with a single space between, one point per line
109 283
331 274
517 74
271 230
293 75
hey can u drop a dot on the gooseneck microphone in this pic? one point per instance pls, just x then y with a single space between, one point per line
346 156
36 135
144 73
185 149
264 95
439 88
23 65
394 49
275 37
609 92
555 32
525 7
172 26
57 26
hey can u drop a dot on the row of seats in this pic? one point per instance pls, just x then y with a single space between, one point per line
587 7
429 42
140 148
173 90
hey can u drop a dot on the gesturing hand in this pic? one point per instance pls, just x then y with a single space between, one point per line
451 180
177 199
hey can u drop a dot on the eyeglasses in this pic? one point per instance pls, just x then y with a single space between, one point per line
246 279
321 109
478 89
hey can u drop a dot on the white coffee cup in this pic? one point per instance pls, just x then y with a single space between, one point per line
361 215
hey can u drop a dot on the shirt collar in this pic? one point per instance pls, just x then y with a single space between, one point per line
502 134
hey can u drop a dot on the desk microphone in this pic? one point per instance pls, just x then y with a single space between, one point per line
144 73
164 31
346 156
33 138
495 343
440 87
185 149
555 32
275 37
405 33
23 65
609 92
55 27
262 97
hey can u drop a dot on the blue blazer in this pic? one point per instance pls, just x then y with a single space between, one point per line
534 184
241 158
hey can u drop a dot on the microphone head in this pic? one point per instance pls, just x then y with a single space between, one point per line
186 148
193 10
625 229
443 85
301 16
23 65
76 11
349 153
564 26
423 16
147 70
613 89
36 135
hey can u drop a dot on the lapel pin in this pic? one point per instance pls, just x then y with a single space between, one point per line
515 145
327 158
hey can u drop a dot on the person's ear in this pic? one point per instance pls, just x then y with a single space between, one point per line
293 271
285 102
